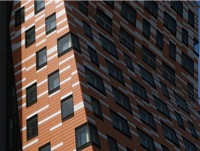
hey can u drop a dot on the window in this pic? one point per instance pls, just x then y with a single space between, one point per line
170 23
86 135
32 127
39 5
147 76
115 72
148 57
96 107
159 39
53 82
190 90
187 63
93 56
94 80
164 89
110 3
151 7
139 90
181 103
164 148
30 36
170 134
31 95
87 30
67 43
168 73
83 6
193 130
128 13
191 18
46 147
185 36
172 50
121 99
50 23
128 62
189 146
104 21
146 117
19 17
67 108
127 40
179 120
146 28
112 144
161 106
41 58
178 7
146 141
109 46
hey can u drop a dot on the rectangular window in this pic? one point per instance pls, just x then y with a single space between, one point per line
168 73
87 30
193 130
139 90
159 39
94 80
93 56
170 23
112 143
120 124
96 108
128 13
31 95
178 7
121 99
147 76
19 17
104 20
161 107
46 147
146 28
32 127
128 62
146 141
190 90
115 72
30 36
185 36
39 5
191 18
187 63
67 108
189 146
179 120
109 46
164 89
151 7
172 50
170 134
41 58
50 23
181 103
148 57
53 82
127 40
83 6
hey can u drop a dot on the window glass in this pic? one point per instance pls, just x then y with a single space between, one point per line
168 73
39 5
191 18
19 17
189 145
83 6
164 89
128 62
148 57
93 56
112 144
67 107
53 82
30 36
139 90
172 50
193 129
147 76
46 147
146 28
179 120
50 23
170 23
31 95
96 107
190 90
178 7
159 39
32 127
128 13
41 58
181 103
87 30
151 7
187 63
164 148
185 36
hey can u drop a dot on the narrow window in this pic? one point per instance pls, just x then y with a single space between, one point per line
185 36
19 17
46 147
148 57
193 130
164 89
168 73
128 13
128 62
112 143
41 58
181 103
96 107
187 63
30 36
87 30
139 90
31 95
146 28
50 23
191 18
39 5
172 50
159 39
190 90
93 56
170 23
67 108
53 82
83 6
179 120
32 127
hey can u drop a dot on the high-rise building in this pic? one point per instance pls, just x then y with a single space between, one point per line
106 75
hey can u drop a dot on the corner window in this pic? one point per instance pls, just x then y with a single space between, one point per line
179 120
53 82
46 147
178 7
128 13
50 23
193 130
185 36
32 127
93 56
187 63
83 6
39 5
172 50
146 28
164 89
30 36
67 108
168 73
148 77
87 30
151 7
112 143
148 57
170 23
191 18
181 103
128 62
31 95
189 145
19 17
159 39
96 107
190 90
41 58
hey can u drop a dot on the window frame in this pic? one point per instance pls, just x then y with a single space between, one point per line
164 90
93 53
37 58
176 5
187 63
98 113
193 130
151 7
29 88
34 117
112 140
21 14
128 61
184 36
148 57
68 99
27 32
35 8
48 31
179 120
126 9
191 16
170 23
146 28
181 103
168 73
55 88
159 39
82 7
87 30
172 50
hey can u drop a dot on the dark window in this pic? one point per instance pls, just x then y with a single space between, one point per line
185 36
39 5
159 39
146 141
127 40
151 7
53 82
147 117
109 46
128 62
32 127
190 90
121 99
161 106
96 107
83 6
179 120
128 13
112 144
164 148
86 135
146 28
172 50
170 134
104 21
50 23
178 7
87 30
93 56
94 80
148 57
193 130
19 17
181 103
139 90
164 89
191 18
30 36
128 149
168 73
110 3
187 63
147 76
46 147
170 23
115 72
31 94
67 108
66 43
189 146
41 58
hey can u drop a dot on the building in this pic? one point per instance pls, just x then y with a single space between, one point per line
106 75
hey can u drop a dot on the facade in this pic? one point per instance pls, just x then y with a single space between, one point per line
106 75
